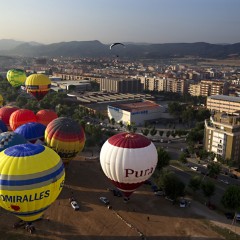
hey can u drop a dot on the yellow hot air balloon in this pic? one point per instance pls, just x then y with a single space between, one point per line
38 85
16 77
32 177
1 100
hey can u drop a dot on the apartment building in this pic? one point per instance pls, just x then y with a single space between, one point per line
223 103
222 136
213 87
128 85
165 84
194 90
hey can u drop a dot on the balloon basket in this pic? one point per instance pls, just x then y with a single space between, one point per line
126 199
27 225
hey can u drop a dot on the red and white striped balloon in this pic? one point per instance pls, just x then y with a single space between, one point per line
128 160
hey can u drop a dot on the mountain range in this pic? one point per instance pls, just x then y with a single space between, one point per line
9 47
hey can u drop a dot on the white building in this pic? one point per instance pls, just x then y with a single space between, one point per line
137 112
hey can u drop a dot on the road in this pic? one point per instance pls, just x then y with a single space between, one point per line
185 176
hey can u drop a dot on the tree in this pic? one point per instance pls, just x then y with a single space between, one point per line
202 114
230 198
175 108
153 131
121 124
163 158
188 115
195 183
129 127
173 186
21 101
208 188
214 169
168 134
183 157
203 154
145 131
112 121
161 132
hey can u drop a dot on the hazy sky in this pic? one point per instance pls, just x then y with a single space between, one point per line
152 21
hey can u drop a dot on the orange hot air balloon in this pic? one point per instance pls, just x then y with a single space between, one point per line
5 113
38 85
45 116
21 117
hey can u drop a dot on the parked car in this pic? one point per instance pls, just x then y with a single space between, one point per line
211 206
159 193
224 181
184 203
154 188
229 215
170 199
194 168
115 192
148 182
237 216
75 205
233 176
104 200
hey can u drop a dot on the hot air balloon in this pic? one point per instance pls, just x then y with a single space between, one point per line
1 100
66 137
20 117
45 116
3 127
32 131
27 191
9 139
128 160
5 113
16 77
38 85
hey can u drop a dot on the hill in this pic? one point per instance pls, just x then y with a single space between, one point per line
132 50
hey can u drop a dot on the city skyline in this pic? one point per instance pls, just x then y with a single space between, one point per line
139 21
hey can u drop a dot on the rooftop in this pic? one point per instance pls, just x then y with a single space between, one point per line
136 106
225 98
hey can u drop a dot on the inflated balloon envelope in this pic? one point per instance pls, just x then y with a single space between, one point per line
32 177
16 77
38 85
65 136
128 160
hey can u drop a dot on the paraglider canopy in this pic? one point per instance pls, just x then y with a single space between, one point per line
114 44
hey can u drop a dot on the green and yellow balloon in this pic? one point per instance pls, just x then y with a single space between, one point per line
31 178
16 77
1 100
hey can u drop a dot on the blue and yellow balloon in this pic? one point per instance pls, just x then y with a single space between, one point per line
27 191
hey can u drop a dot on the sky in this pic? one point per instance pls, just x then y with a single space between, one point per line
139 21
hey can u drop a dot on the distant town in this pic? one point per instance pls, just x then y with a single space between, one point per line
189 108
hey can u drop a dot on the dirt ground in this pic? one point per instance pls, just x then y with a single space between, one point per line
145 216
